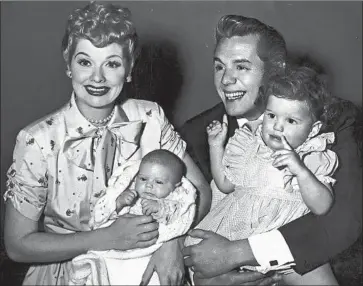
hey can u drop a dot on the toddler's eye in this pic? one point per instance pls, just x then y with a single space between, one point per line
142 179
159 182
291 121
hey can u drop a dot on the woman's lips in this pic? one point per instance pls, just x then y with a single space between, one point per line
97 91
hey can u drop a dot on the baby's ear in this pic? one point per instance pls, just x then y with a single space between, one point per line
315 129
178 184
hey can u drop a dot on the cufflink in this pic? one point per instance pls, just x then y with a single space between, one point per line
273 263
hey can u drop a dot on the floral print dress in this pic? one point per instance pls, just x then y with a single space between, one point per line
54 172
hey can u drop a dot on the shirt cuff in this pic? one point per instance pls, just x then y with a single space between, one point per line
271 251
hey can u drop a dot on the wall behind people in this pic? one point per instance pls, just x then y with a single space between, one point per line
175 66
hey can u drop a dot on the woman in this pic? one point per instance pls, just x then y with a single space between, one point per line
62 161
247 54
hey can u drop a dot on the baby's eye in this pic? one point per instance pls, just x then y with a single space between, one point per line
113 64
84 62
159 182
142 179
291 121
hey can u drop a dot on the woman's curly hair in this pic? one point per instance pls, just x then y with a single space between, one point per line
102 24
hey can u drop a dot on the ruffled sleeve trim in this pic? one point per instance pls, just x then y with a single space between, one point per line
317 143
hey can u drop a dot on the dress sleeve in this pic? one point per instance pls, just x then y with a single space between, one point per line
27 182
170 139
323 165
313 240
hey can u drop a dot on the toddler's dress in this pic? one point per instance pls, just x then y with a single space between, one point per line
264 198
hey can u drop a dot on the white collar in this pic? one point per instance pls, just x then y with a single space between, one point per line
243 121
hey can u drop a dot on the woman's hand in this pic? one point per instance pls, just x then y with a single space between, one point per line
213 256
131 231
237 278
168 263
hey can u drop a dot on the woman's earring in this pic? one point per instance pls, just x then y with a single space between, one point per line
69 73
129 78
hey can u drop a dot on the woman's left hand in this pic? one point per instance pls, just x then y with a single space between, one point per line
168 263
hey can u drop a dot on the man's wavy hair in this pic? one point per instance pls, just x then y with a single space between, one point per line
271 46
102 24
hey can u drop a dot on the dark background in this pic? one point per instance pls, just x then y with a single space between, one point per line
175 66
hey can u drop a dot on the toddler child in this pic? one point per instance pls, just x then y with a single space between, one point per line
278 173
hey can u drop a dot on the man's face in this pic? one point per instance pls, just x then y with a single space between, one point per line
238 73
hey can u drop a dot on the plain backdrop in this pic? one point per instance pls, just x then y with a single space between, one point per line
175 66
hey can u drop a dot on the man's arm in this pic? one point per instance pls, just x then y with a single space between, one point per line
313 240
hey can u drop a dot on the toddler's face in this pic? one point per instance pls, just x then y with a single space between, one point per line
290 118
154 181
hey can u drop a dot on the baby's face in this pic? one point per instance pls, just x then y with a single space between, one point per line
154 181
290 118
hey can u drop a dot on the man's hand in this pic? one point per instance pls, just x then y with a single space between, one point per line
214 255
237 278
149 206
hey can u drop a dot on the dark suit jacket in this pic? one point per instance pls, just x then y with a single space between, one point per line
312 239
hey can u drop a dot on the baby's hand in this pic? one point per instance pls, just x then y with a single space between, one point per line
287 157
126 198
217 132
149 206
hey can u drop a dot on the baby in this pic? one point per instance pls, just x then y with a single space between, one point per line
278 172
153 186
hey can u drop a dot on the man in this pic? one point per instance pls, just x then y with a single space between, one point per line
247 53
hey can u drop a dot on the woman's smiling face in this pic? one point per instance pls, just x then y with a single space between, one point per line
98 74
238 73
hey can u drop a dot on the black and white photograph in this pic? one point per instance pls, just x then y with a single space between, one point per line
181 143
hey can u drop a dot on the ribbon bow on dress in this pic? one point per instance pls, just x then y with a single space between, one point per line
95 149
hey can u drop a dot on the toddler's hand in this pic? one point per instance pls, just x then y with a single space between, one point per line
217 132
149 206
126 198
287 157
